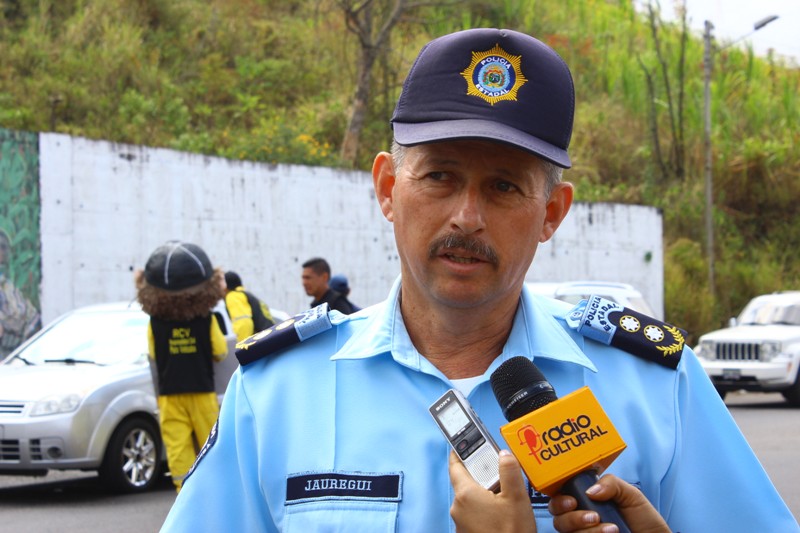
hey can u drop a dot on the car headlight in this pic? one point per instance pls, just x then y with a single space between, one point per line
770 350
56 404
707 350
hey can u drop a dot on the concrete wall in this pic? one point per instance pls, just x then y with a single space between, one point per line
106 206
607 242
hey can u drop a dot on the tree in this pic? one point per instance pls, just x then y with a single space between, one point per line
371 21
675 164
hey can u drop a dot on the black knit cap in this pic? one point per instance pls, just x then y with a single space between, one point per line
232 280
177 265
493 84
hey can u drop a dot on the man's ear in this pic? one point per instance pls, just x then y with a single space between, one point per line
383 180
557 208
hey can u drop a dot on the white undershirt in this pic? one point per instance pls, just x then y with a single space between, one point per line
465 385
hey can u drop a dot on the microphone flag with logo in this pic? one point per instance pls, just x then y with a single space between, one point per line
560 443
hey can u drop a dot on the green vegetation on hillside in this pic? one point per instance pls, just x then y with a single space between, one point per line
274 80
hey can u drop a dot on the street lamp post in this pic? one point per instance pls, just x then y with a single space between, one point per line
708 66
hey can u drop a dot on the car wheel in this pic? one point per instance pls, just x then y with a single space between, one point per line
132 461
792 394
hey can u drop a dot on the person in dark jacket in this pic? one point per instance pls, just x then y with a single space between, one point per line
340 284
316 275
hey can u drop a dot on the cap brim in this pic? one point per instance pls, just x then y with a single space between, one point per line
409 134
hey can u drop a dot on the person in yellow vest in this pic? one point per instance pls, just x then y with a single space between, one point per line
248 314
178 288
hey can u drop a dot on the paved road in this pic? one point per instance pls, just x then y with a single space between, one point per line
772 428
76 503
73 502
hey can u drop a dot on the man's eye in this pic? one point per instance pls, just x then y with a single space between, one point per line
505 186
436 176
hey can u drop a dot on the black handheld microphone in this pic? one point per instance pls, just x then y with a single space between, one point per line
551 452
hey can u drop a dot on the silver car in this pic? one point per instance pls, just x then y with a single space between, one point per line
79 395
575 291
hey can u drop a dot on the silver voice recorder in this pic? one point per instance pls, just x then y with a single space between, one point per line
469 438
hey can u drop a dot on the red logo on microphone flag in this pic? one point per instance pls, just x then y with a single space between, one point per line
529 437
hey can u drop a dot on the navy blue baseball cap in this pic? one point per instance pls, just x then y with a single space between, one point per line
493 84
339 283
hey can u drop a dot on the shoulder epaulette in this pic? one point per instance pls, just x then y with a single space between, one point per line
284 334
609 323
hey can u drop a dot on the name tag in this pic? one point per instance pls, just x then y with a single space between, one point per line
538 500
310 486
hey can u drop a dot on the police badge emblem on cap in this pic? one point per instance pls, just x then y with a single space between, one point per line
494 75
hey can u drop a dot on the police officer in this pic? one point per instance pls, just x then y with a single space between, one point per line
326 427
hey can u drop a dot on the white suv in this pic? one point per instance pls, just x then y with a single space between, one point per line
761 349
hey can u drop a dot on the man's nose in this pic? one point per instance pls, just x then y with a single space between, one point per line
468 213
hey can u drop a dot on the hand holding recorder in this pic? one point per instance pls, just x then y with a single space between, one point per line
477 510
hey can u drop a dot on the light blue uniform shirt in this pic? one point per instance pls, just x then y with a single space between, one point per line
334 434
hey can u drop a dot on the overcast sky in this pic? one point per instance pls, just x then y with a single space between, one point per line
733 19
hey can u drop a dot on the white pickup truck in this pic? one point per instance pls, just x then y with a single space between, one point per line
760 351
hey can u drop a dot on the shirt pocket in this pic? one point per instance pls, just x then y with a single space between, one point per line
332 516
544 520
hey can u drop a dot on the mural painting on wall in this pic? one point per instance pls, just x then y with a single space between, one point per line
20 249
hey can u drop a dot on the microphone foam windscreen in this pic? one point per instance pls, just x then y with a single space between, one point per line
520 387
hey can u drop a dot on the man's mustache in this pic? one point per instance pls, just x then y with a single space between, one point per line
470 245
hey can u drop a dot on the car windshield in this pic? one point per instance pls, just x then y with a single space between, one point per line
635 303
102 338
764 312
639 304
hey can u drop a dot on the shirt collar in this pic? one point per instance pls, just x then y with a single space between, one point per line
536 332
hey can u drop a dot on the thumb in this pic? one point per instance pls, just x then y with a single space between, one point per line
459 476
512 483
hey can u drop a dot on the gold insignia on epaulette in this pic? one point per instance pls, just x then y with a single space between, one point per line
654 333
610 323
675 347
252 339
629 324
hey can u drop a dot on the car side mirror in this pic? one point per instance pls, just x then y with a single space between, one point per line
732 322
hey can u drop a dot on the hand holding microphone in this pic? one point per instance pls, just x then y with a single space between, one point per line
639 513
559 443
